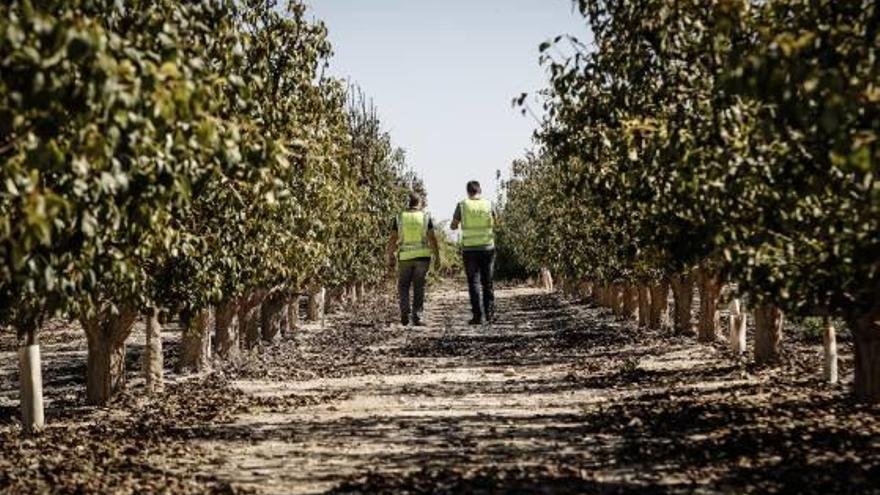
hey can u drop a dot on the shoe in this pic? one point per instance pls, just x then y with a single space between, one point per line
491 318
404 320
476 320
418 323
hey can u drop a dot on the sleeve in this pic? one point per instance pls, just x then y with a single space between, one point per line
457 215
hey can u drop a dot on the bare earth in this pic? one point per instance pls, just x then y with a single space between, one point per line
551 391
557 397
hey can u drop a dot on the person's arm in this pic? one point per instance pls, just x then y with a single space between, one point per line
456 218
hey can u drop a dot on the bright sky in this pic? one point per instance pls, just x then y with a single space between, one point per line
443 73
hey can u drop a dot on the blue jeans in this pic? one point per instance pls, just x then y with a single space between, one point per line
479 266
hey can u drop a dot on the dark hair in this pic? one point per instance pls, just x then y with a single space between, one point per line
473 187
415 200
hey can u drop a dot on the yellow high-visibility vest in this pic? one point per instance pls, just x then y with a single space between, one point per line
477 224
412 232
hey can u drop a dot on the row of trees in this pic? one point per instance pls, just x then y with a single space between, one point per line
189 158
711 142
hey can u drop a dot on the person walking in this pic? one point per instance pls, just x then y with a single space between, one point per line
411 244
477 221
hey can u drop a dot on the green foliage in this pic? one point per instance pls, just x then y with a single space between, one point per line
376 190
450 264
812 328
180 153
810 78
521 229
106 134
738 133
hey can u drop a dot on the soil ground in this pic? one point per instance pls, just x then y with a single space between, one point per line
556 397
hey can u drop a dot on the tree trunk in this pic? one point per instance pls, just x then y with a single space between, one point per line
659 304
616 300
644 305
630 302
226 333
293 313
683 298
333 300
195 352
768 334
830 344
709 282
866 337
30 375
607 299
738 321
106 333
361 291
546 280
316 305
249 318
273 316
251 326
153 361
584 290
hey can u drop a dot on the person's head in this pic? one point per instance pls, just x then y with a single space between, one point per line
415 200
473 188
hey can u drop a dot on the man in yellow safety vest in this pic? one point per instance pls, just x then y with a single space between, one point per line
477 221
411 244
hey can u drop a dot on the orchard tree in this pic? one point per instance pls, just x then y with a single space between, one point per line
731 136
810 158
381 181
108 135
172 156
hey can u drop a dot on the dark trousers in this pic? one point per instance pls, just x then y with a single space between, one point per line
412 273
479 266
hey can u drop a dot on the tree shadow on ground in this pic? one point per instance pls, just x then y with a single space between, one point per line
642 445
492 480
700 429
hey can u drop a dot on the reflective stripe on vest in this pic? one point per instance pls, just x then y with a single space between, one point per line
412 231
477 223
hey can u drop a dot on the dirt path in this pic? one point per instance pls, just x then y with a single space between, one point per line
554 398
557 397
